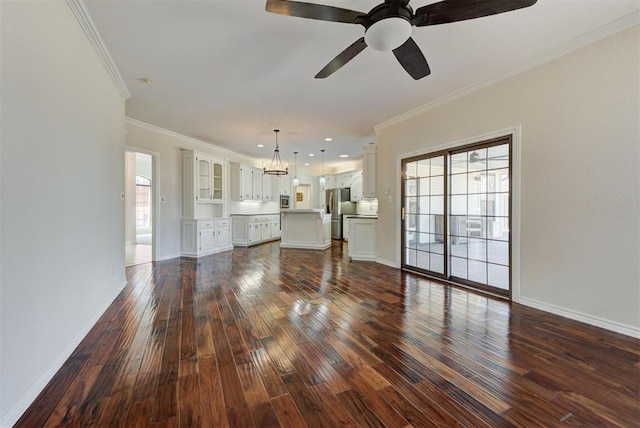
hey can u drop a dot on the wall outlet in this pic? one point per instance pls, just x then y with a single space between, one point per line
113 268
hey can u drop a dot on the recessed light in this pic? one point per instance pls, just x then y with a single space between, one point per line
328 139
306 164
343 156
311 155
260 145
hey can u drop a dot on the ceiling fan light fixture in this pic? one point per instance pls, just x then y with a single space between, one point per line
388 33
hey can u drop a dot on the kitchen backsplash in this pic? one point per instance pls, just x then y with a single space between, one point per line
254 207
368 207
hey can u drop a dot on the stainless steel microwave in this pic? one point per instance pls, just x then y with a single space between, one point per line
284 201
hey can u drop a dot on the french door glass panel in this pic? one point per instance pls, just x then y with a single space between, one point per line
424 202
456 222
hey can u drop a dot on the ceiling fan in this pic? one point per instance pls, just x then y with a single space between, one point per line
388 26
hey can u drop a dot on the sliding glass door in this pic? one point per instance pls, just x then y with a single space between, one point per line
456 215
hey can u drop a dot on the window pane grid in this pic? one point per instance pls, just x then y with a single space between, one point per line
472 188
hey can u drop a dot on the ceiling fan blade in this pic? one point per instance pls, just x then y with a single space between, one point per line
410 57
313 11
447 11
343 57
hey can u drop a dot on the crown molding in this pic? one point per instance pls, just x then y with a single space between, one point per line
81 13
173 134
594 36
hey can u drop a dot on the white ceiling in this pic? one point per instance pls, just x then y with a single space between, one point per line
228 73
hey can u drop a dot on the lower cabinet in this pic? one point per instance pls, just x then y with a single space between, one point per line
362 238
200 237
247 230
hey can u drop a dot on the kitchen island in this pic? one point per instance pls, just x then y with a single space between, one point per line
305 228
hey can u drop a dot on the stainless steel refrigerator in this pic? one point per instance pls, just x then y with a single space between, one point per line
338 204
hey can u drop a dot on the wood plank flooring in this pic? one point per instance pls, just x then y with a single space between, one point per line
267 337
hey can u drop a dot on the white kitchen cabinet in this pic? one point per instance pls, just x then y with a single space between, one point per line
267 187
202 185
200 237
223 234
356 186
329 183
343 180
275 229
369 159
255 232
281 185
248 230
256 187
362 238
247 184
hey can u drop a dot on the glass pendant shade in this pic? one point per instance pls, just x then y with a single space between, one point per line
295 180
322 179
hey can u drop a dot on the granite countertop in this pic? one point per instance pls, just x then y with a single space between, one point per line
374 217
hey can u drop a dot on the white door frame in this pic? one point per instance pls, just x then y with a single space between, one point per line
155 195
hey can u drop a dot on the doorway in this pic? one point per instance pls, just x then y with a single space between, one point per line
140 207
302 196
456 215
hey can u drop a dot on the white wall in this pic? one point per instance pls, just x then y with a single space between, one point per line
580 179
62 228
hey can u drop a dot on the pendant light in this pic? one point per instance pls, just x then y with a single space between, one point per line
276 167
322 179
295 180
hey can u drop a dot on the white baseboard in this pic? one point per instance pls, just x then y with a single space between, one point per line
582 317
22 404
388 263
168 257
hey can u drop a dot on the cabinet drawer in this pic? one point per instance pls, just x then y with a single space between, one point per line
223 222
206 224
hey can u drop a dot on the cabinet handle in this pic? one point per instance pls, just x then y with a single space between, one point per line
402 213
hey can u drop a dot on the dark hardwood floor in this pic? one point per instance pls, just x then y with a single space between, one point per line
267 337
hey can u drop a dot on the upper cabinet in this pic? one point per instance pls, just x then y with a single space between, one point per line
356 186
280 185
369 171
202 185
343 180
250 184
209 179
329 183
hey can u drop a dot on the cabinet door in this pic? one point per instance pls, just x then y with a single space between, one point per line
204 179
369 173
218 181
223 237
343 180
246 182
329 183
267 194
257 184
275 229
281 185
255 232
266 230
207 240
356 186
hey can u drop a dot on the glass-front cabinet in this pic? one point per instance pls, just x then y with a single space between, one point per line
202 185
209 178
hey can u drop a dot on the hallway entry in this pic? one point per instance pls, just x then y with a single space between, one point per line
139 211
